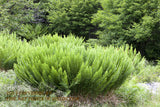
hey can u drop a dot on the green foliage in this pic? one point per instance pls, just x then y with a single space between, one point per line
92 42
62 16
49 39
132 94
138 61
7 51
10 48
13 13
30 32
26 18
158 62
72 16
134 22
73 68
7 77
149 74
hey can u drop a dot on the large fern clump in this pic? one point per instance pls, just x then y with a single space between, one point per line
73 68
9 48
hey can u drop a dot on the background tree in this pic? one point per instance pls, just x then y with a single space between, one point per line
134 22
73 16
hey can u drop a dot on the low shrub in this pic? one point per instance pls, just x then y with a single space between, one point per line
73 68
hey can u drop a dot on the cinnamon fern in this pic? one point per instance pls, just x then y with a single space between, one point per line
71 67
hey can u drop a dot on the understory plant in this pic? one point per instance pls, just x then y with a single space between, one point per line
74 69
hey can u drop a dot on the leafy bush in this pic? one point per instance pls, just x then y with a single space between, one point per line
73 68
72 16
10 47
134 22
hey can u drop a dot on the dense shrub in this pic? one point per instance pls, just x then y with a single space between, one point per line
73 16
10 48
73 68
134 22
